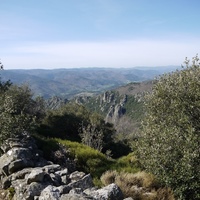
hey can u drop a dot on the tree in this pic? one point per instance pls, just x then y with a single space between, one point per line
4 85
18 111
64 122
170 145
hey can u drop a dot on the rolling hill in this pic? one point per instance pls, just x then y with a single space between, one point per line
67 83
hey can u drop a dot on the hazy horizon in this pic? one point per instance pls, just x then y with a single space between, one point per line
135 67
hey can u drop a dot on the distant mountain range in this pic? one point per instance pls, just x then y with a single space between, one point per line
68 83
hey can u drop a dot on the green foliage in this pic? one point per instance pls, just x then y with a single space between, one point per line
170 144
74 122
127 163
4 85
92 161
64 122
18 111
118 149
87 159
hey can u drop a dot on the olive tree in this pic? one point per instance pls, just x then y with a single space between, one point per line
170 145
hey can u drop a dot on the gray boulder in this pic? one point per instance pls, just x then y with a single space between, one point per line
83 183
36 175
75 197
33 190
50 193
23 168
110 192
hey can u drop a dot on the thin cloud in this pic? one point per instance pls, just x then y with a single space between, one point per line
101 54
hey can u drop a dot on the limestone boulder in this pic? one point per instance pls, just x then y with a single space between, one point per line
110 192
23 169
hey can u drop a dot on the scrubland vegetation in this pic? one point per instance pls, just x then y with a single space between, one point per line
164 161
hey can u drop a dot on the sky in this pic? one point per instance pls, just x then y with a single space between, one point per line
49 34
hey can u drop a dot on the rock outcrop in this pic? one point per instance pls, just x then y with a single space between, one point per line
31 177
55 102
115 113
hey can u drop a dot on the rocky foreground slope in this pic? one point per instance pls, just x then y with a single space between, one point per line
26 175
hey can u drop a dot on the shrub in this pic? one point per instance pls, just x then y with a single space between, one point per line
169 147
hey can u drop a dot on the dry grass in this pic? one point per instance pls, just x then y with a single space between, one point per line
147 180
139 186
165 194
109 177
139 179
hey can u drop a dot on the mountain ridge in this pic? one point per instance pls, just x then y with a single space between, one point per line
68 83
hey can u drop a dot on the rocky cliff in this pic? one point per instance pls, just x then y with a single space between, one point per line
26 175
121 105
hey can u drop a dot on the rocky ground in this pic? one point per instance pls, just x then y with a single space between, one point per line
26 175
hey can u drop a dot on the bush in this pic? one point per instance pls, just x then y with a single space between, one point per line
169 147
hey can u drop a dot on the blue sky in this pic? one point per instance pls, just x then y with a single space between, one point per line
98 33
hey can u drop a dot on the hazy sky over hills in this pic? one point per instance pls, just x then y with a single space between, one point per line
98 33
